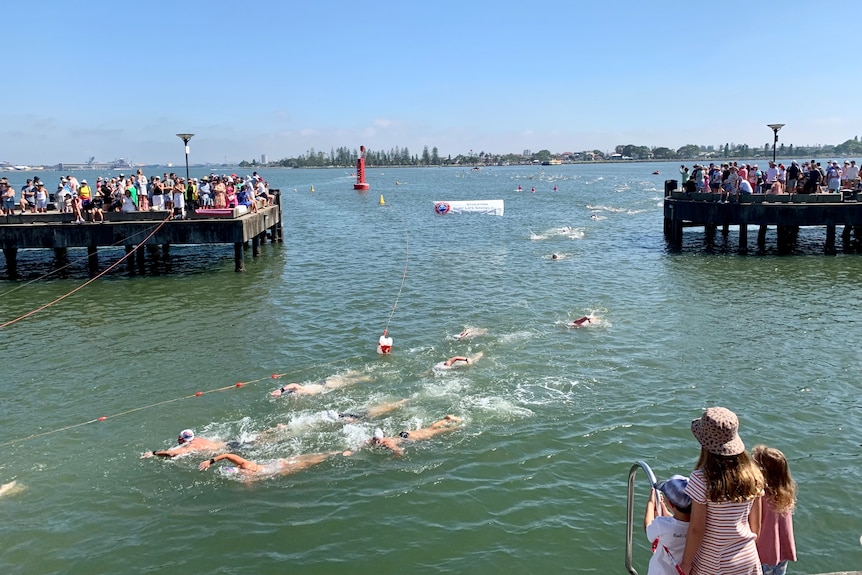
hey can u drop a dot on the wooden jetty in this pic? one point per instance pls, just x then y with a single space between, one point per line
53 230
787 212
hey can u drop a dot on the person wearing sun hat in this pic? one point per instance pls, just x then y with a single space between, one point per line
725 488
187 442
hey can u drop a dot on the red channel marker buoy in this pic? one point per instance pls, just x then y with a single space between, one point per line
361 184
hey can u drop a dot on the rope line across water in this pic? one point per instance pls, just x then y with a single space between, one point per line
165 402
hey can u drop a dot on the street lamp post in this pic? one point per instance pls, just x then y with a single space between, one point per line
186 137
775 128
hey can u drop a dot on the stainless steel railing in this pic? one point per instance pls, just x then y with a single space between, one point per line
630 509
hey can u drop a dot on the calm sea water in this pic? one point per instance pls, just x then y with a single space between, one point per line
554 417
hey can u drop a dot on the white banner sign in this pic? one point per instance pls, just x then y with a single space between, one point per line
490 207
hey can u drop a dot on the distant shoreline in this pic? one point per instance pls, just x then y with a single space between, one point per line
462 166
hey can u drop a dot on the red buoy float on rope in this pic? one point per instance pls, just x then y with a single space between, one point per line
361 184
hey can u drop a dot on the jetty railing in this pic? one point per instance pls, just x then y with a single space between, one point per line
630 508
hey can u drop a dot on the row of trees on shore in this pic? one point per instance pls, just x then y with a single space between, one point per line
344 157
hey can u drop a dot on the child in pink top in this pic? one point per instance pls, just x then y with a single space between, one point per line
776 545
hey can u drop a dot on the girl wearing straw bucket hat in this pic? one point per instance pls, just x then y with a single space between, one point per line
725 488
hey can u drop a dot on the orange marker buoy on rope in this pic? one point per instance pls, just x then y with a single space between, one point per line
275 376
103 418
361 184
199 393
239 384
382 203
384 344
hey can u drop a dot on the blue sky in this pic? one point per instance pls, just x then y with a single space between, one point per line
120 79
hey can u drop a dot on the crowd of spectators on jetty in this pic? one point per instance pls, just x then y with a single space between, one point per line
137 193
733 179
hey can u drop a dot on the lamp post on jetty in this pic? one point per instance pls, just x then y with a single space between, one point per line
775 128
186 137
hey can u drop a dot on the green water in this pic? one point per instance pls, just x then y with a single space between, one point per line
554 417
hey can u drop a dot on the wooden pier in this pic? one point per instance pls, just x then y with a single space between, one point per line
132 230
787 212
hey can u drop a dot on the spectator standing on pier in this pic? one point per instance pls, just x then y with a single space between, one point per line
219 194
683 175
170 182
205 193
833 177
41 197
192 193
230 193
143 197
7 194
776 544
771 173
742 172
698 176
851 174
792 175
179 199
812 182
158 193
667 528
725 488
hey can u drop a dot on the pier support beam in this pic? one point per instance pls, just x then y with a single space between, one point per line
785 239
743 238
139 256
761 237
239 264
255 246
130 259
11 255
830 238
61 257
93 259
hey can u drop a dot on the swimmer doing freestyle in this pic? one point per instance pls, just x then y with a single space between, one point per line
448 423
188 442
458 361
252 471
322 386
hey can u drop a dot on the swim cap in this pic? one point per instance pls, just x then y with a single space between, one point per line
230 470
378 433
186 435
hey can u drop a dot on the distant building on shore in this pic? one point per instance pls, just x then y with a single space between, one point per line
263 159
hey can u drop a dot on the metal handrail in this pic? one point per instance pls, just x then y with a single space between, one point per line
630 509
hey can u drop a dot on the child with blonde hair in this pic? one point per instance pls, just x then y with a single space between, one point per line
776 545
725 488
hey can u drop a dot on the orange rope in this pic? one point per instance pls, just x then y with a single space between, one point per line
158 403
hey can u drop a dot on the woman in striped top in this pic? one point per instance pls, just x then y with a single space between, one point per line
725 488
